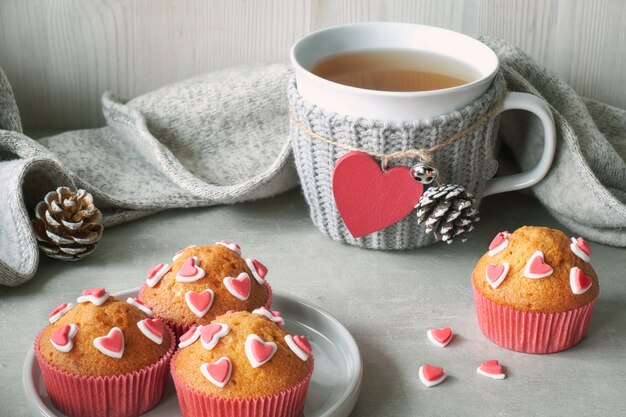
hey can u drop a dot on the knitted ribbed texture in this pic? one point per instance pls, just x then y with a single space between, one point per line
468 161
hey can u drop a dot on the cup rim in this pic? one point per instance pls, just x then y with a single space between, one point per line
382 93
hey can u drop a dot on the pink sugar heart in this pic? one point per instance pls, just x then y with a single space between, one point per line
156 326
112 344
496 273
61 336
303 343
579 281
582 244
96 292
499 243
153 271
259 271
491 369
212 333
259 351
199 302
432 373
57 309
218 372
239 287
536 267
442 335
189 268
189 337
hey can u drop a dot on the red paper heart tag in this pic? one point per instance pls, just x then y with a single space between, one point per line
369 199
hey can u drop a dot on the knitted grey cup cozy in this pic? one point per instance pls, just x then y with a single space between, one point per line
469 161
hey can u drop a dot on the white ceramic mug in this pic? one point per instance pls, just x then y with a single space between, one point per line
409 106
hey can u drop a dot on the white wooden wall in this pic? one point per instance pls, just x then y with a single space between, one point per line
60 55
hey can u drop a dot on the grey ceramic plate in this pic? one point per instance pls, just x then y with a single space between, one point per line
334 388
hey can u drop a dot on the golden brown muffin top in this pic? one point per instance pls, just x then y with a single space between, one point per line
95 321
524 287
213 263
286 367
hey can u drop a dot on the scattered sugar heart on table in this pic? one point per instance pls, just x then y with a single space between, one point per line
440 337
491 369
369 199
431 375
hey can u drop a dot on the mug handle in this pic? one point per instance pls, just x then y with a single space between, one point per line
533 104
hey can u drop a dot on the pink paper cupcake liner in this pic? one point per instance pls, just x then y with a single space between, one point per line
181 328
531 332
288 403
125 395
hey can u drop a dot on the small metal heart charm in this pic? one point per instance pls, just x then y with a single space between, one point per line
424 173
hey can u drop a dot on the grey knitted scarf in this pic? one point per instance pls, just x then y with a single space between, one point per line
222 138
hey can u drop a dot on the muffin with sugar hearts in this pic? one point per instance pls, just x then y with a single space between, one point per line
535 290
242 365
202 282
103 356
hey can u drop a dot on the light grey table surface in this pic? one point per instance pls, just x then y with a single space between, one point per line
387 300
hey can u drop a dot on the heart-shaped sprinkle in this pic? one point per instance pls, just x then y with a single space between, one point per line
96 296
199 302
218 373
431 375
579 281
370 199
299 345
258 351
259 271
190 271
189 336
499 243
491 369
140 305
58 311
238 287
232 246
180 252
440 337
536 267
112 344
273 316
63 338
212 333
495 274
580 248
156 273
152 329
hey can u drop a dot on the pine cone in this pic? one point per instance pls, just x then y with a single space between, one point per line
447 211
67 224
